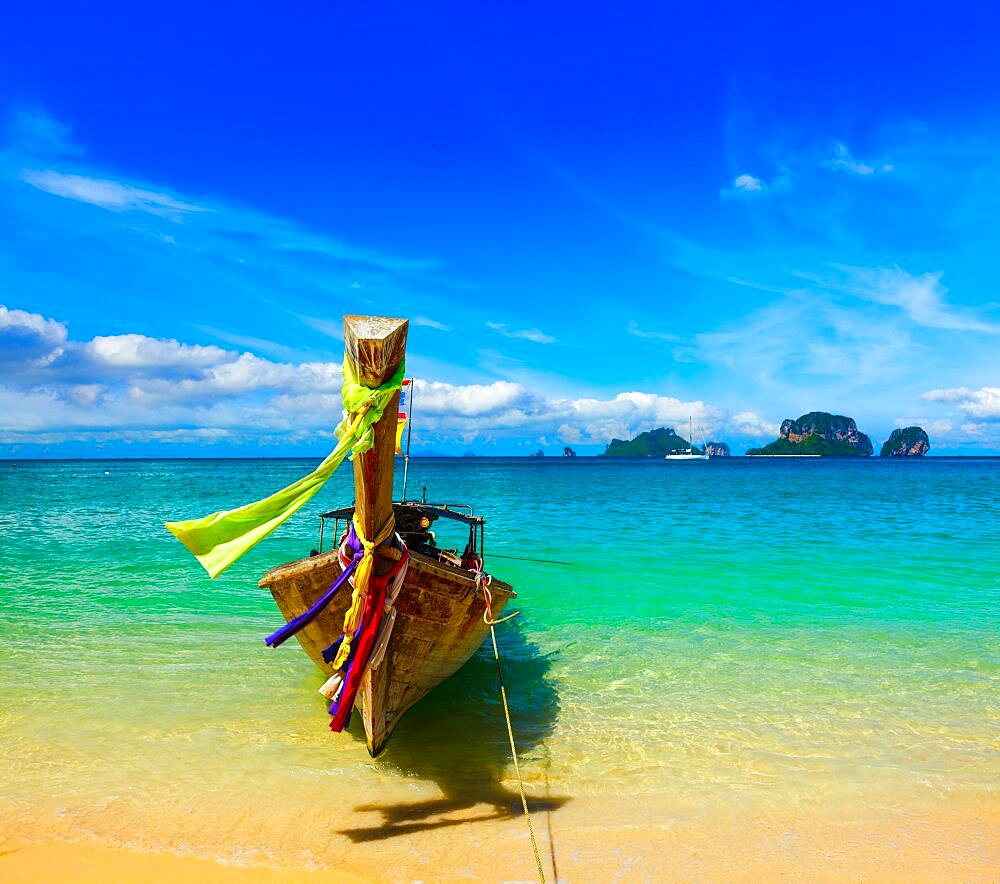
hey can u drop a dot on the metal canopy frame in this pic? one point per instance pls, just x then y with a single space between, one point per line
445 510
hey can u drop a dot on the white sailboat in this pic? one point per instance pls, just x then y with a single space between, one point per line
690 454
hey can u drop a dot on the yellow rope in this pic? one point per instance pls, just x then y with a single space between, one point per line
488 617
362 577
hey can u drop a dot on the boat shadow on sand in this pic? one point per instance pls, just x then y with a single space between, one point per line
457 737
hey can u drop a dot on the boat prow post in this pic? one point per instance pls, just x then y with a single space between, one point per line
376 346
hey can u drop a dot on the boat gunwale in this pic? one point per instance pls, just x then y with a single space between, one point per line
297 567
438 509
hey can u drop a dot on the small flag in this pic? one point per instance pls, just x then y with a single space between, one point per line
400 423
402 416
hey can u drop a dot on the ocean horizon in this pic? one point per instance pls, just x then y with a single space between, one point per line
548 457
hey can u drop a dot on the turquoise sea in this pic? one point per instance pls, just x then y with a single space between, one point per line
783 637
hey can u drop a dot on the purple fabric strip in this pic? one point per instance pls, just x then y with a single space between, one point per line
330 652
282 635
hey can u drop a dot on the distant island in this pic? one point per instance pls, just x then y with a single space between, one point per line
831 435
568 452
652 443
817 433
907 442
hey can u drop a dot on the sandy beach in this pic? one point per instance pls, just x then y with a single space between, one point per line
588 840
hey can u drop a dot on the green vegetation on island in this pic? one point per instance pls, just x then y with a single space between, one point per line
906 442
811 445
652 443
818 432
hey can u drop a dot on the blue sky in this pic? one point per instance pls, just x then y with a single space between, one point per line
598 220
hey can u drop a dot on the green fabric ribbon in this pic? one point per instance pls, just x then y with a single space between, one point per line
221 538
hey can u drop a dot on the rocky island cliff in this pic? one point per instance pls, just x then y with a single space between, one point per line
818 432
907 442
652 443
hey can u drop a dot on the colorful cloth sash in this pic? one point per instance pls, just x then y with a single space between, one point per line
219 539
280 636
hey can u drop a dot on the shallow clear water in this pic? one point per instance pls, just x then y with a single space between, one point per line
782 633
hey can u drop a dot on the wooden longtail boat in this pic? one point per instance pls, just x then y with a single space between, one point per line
439 607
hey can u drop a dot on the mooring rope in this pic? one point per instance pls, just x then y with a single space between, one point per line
494 555
484 582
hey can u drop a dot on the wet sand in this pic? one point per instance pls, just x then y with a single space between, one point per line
579 841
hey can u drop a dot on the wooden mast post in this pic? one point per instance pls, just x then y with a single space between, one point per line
376 345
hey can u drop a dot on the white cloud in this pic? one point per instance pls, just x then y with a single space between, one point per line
932 427
528 334
108 194
922 298
23 331
844 161
634 329
437 398
748 184
983 403
238 377
133 387
748 423
802 338
132 351
431 323
745 186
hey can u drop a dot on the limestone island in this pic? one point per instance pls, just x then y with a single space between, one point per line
818 433
717 449
568 452
653 443
907 442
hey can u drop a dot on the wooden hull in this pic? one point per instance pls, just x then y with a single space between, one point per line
439 625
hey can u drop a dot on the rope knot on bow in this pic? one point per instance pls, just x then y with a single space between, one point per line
362 579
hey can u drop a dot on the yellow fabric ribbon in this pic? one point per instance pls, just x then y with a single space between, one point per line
362 577
219 539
